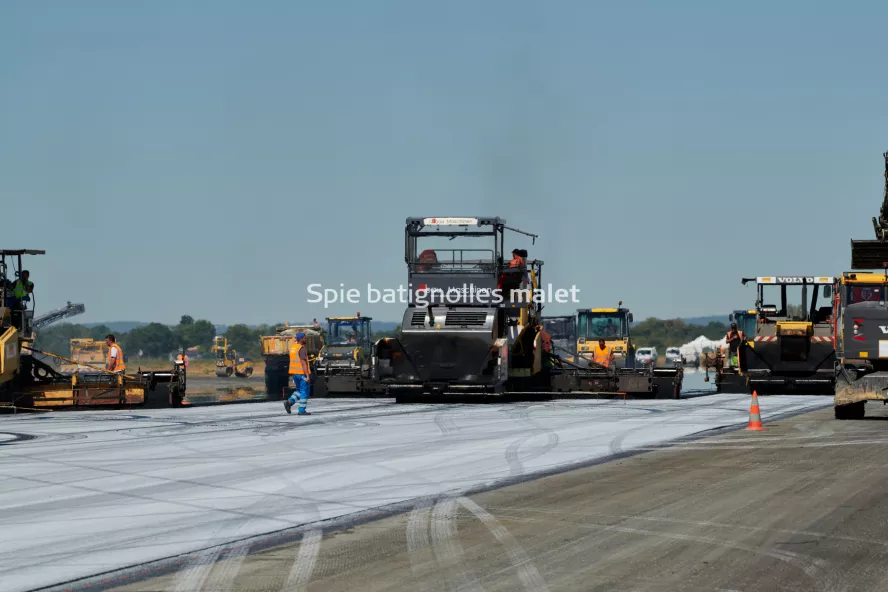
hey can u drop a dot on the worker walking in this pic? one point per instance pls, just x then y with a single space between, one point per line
115 356
602 355
301 373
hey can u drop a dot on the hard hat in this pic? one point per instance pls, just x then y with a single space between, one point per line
300 335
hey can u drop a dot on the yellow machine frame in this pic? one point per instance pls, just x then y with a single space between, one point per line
227 361
622 348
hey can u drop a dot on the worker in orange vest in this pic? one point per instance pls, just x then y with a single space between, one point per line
115 355
602 355
546 341
518 258
300 370
183 357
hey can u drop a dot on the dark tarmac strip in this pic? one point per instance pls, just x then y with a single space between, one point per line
801 506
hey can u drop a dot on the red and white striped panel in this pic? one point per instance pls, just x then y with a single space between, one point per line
815 339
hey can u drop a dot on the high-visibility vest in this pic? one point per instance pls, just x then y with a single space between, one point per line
601 356
516 261
117 364
19 290
295 364
547 341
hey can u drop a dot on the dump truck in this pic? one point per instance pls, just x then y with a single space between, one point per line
28 381
861 322
725 361
276 352
228 363
792 349
343 366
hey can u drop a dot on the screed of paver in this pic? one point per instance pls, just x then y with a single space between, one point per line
799 507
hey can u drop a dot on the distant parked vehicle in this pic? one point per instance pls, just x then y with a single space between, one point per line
673 355
646 356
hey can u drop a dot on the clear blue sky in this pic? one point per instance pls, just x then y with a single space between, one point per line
171 156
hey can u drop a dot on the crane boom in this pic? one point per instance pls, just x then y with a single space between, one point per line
53 316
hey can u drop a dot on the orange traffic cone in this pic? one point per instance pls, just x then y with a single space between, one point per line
755 416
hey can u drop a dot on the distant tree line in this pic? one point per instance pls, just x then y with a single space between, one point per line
156 340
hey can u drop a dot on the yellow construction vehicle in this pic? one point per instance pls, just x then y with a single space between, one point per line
613 325
85 352
276 351
610 324
861 322
228 363
792 349
28 381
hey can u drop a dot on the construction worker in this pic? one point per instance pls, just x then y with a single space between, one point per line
602 355
546 341
426 259
517 259
115 355
22 288
734 338
301 373
20 291
183 359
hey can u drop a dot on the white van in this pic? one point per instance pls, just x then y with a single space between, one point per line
646 356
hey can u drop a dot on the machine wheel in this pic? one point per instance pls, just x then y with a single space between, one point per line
248 372
175 398
852 411
222 372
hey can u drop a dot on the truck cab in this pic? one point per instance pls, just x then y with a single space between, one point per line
610 324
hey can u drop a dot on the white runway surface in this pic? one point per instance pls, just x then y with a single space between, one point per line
87 492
